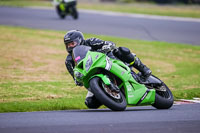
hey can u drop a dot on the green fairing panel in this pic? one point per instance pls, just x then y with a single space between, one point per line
96 64
120 70
150 98
131 86
104 78
62 6
133 95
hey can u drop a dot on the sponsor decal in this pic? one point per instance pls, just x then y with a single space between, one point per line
77 58
67 39
108 64
123 72
97 56
144 96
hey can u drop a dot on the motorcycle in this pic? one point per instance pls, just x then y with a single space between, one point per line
66 7
115 84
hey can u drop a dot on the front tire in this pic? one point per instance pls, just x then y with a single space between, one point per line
114 104
60 13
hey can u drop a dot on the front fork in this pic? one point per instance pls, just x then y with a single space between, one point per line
107 82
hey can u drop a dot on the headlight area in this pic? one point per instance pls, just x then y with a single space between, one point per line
79 76
88 63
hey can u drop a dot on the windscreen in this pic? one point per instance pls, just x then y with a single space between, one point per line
79 53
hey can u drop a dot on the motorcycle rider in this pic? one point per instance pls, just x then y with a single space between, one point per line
74 38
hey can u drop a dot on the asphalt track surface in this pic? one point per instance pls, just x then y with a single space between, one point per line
139 27
146 119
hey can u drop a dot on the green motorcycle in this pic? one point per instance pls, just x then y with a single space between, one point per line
66 7
115 85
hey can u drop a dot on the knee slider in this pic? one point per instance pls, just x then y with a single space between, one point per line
124 50
126 55
92 103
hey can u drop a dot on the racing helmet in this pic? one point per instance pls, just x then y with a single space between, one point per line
72 39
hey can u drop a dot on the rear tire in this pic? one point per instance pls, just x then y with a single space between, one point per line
104 98
163 99
74 13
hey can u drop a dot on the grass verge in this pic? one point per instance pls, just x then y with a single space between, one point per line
33 76
138 8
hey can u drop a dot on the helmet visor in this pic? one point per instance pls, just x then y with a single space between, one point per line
78 41
71 44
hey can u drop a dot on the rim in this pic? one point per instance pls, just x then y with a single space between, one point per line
113 95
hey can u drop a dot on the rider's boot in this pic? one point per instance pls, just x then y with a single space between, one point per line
146 72
125 55
91 101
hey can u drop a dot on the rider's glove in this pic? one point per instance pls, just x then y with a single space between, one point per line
78 83
108 48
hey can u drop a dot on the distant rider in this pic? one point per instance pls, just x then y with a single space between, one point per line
68 4
74 38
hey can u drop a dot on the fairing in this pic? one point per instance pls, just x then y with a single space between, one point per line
136 94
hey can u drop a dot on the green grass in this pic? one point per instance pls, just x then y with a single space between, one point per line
40 96
33 76
139 8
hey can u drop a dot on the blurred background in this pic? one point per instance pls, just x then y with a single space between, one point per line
157 1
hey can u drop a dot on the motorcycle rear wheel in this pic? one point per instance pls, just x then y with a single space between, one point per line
74 13
163 99
110 102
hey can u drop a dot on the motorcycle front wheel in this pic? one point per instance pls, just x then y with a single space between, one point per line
114 101
60 13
